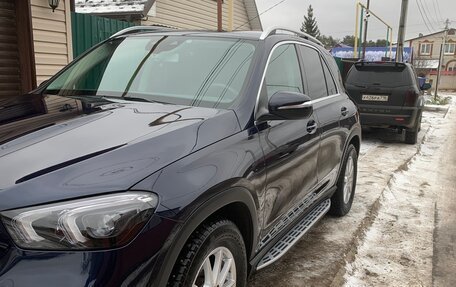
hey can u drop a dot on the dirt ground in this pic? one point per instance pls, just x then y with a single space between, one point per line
401 230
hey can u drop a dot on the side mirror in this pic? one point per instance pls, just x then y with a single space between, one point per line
290 106
426 86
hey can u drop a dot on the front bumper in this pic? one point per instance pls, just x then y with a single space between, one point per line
131 265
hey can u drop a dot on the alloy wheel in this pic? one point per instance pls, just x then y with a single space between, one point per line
217 270
348 179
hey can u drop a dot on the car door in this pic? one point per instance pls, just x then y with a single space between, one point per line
290 146
329 107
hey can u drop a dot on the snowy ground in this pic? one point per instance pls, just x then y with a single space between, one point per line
401 230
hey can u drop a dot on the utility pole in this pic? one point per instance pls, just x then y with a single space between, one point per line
401 32
219 15
439 68
366 20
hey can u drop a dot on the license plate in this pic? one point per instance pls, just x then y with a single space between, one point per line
375 98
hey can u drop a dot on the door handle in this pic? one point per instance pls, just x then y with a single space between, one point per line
311 127
344 111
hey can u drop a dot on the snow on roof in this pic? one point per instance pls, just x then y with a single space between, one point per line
112 6
372 53
426 64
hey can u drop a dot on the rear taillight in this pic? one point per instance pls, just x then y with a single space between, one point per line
410 98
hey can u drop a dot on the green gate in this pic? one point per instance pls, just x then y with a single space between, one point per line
89 30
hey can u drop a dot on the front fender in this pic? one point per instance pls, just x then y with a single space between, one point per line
188 222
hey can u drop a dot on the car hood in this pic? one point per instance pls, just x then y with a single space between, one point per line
109 150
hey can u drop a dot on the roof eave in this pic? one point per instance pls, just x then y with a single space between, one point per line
253 15
435 33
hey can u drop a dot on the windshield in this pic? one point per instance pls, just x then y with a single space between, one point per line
196 71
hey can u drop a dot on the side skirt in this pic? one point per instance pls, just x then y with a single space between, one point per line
294 234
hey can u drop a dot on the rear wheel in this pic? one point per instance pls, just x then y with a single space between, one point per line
342 199
411 136
214 256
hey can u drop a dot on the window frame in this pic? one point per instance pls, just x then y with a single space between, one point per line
449 45
451 66
303 71
261 88
322 62
264 83
425 44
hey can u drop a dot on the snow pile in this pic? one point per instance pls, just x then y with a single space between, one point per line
397 249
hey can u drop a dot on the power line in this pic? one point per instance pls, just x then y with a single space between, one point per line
438 8
422 17
437 15
273 6
425 9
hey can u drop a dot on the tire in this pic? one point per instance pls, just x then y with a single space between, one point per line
411 136
219 238
341 201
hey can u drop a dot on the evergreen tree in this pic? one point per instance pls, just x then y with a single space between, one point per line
349 40
309 25
328 41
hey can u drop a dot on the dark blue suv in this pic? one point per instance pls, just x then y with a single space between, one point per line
194 159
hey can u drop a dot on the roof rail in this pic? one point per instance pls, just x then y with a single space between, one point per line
273 30
136 29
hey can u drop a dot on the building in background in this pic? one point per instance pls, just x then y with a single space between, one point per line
182 14
426 52
35 43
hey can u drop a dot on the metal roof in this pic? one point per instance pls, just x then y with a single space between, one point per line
450 31
114 6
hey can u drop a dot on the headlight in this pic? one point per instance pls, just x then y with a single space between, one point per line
98 222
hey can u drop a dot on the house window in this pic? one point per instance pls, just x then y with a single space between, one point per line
451 66
425 48
449 48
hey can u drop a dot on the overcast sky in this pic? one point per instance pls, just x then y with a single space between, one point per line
337 17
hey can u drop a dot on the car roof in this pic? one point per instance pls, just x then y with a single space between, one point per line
248 35
381 63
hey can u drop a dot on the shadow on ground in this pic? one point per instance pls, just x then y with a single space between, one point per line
383 135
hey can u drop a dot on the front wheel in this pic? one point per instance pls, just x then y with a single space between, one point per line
342 199
214 256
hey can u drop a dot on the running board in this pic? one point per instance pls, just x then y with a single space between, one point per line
298 231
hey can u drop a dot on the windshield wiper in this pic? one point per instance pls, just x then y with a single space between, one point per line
134 99
90 99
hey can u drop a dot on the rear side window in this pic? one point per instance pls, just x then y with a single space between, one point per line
332 90
283 73
385 76
314 73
